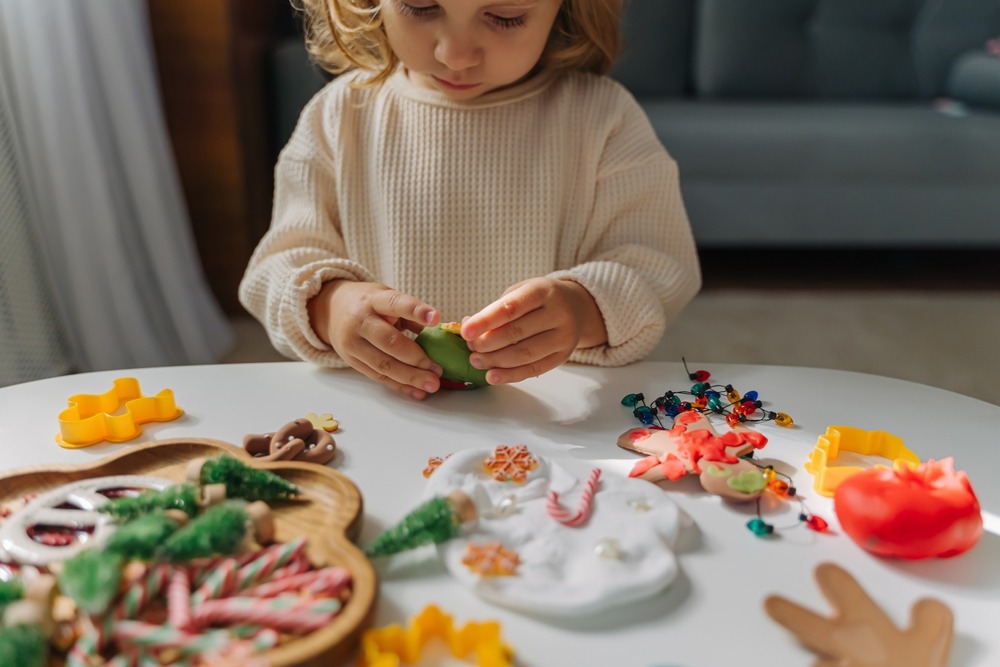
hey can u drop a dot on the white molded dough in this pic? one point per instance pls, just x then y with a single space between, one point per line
621 554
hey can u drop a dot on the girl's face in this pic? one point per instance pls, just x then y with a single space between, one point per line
466 48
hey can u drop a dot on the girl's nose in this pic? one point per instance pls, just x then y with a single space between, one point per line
456 51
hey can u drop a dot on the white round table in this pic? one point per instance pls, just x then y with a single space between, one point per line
712 615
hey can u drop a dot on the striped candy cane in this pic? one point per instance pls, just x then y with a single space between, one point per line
179 600
329 580
141 592
139 635
271 558
563 516
219 583
287 613
84 649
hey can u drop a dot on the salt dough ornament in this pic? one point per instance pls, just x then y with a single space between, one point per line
562 570
859 634
73 509
693 446
299 440
444 345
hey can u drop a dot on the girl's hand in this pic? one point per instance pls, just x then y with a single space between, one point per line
533 328
363 323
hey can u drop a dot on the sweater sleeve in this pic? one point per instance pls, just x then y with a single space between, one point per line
638 258
303 248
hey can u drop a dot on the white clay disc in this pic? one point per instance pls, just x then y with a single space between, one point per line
47 510
621 554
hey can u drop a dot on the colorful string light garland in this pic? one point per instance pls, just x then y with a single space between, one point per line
707 399
738 409
780 484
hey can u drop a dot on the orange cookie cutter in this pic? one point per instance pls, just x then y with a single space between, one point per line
90 418
827 476
394 645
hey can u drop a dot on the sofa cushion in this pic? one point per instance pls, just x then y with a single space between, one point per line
975 79
656 54
849 49
786 174
806 141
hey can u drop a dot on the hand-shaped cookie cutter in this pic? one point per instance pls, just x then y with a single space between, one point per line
90 418
299 440
827 476
393 645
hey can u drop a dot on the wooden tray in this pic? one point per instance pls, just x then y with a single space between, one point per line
330 515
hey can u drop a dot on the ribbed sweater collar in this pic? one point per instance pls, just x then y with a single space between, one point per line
400 83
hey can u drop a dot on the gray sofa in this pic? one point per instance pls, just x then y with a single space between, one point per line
811 123
824 122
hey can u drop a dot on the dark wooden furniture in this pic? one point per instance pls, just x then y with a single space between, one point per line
211 57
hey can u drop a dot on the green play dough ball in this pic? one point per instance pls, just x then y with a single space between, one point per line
451 353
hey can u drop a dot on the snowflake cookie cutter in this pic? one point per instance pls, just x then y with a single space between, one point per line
91 418
822 463
394 645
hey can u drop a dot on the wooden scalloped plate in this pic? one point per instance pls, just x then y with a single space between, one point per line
331 503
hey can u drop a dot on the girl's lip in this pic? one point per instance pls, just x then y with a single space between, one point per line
455 86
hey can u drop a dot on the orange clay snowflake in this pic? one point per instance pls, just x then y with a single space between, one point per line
492 559
433 463
510 463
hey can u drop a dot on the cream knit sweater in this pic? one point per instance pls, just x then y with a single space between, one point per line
453 202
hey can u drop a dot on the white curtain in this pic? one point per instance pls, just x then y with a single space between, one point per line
107 209
31 341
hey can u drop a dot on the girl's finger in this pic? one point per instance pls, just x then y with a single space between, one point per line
523 353
394 344
395 374
534 369
508 308
515 332
394 305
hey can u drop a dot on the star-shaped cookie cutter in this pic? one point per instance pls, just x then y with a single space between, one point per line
394 645
91 418
827 475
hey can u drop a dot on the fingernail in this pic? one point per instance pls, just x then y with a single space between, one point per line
429 316
430 387
417 394
437 370
477 362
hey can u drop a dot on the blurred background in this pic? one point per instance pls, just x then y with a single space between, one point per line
840 161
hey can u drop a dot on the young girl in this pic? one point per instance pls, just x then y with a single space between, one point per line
471 163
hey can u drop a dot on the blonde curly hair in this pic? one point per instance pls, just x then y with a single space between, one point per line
342 35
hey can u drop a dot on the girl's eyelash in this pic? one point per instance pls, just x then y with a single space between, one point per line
502 22
418 12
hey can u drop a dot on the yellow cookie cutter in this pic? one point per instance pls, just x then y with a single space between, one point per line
827 476
388 646
90 418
